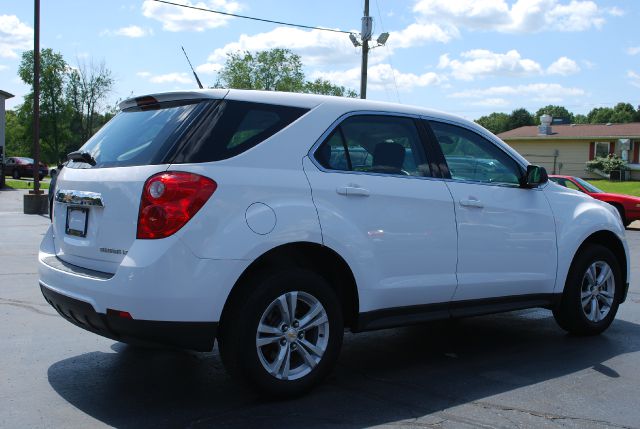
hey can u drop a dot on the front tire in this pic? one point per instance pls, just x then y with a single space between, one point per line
285 334
592 292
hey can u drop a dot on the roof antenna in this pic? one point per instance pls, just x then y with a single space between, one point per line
194 72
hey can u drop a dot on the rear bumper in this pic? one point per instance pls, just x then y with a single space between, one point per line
156 281
198 336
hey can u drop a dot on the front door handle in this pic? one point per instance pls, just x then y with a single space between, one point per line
352 191
471 203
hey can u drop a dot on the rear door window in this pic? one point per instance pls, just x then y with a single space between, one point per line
375 144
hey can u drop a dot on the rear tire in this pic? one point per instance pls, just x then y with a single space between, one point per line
592 292
16 174
283 348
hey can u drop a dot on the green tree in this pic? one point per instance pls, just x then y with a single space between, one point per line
600 115
322 86
16 137
496 122
53 75
273 70
520 118
87 88
580 119
555 112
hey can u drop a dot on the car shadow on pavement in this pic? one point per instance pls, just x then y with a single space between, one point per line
382 377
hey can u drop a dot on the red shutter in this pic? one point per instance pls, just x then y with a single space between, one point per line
592 151
612 148
636 152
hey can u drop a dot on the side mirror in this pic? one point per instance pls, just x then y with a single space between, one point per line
535 177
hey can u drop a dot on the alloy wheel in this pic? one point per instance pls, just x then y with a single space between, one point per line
292 335
598 291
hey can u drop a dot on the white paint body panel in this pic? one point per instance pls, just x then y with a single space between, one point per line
397 241
408 243
505 247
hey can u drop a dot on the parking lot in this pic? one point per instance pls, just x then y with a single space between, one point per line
511 370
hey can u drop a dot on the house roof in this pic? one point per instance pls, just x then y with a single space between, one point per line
5 94
575 131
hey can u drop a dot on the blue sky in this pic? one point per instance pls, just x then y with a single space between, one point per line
468 57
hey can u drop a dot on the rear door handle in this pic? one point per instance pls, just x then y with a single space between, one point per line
471 203
352 191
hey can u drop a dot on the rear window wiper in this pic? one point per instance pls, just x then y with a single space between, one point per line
80 156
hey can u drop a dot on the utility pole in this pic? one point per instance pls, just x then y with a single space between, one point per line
365 34
36 99
365 37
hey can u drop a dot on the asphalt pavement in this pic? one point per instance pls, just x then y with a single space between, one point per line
510 370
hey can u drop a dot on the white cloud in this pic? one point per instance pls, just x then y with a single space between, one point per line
633 50
615 11
133 31
491 102
379 77
634 78
542 92
415 34
481 62
315 47
208 68
14 36
523 16
563 66
176 18
167 78
3 67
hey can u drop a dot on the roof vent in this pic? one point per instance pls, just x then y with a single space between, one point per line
544 129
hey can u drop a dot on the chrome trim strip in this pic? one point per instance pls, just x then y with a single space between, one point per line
79 198
58 264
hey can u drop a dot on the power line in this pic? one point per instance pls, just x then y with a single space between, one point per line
252 18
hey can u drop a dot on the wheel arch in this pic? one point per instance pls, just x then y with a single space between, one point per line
611 241
313 256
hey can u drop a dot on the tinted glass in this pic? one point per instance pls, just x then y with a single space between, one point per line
376 144
232 127
566 183
471 157
588 186
138 136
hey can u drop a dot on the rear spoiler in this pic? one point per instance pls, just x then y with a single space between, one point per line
213 94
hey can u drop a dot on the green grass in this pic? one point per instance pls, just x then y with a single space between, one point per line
627 188
24 184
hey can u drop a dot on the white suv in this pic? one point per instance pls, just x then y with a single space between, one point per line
272 221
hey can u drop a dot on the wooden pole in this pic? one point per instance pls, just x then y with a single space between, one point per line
36 99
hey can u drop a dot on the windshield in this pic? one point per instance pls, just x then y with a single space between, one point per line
588 186
139 135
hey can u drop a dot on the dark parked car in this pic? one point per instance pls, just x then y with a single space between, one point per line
18 166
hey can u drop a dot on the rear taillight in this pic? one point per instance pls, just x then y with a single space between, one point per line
170 200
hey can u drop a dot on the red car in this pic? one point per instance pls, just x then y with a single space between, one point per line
627 205
18 166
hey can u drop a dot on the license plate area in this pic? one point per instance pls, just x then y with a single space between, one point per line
77 219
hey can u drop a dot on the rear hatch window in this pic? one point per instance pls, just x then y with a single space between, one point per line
185 132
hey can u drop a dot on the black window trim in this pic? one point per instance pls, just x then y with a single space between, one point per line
336 125
427 120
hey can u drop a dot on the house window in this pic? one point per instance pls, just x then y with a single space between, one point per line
601 149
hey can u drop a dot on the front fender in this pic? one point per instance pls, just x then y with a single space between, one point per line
578 217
